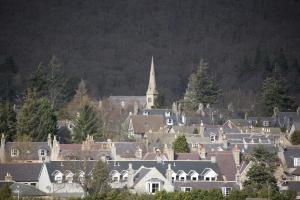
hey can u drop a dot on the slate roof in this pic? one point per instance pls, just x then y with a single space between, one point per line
186 166
255 120
127 99
21 172
128 149
141 174
143 123
226 163
290 152
187 156
205 185
161 112
154 156
297 125
72 151
27 150
26 190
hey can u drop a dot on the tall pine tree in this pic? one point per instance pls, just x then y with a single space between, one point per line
201 88
7 120
87 122
36 118
275 93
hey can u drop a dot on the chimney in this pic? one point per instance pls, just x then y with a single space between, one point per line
139 153
213 159
236 155
169 173
55 149
135 108
8 178
221 135
130 176
113 151
201 131
49 140
246 115
169 151
2 149
202 151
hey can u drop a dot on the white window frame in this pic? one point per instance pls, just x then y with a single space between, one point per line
297 162
266 123
212 137
184 189
14 152
226 190
149 186
42 152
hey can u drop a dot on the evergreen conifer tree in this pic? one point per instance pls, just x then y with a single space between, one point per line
36 118
275 93
180 145
87 122
7 120
201 88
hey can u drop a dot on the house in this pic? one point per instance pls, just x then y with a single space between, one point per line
286 119
262 121
169 117
153 176
290 158
24 151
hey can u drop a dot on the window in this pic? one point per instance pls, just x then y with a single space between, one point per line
226 190
155 188
185 189
169 121
296 162
265 123
43 152
212 137
194 178
207 178
149 100
145 113
213 179
167 114
14 153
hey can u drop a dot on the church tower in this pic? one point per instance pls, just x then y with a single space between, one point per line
152 92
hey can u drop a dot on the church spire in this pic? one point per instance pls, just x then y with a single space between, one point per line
152 92
152 82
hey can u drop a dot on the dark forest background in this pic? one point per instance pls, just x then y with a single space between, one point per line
110 43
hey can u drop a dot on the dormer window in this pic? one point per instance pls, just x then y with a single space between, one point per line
182 176
297 162
265 123
209 175
69 176
167 114
42 152
170 122
194 175
124 175
14 153
58 176
115 175
145 113
212 137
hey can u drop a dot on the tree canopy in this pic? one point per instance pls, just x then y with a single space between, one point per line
180 145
